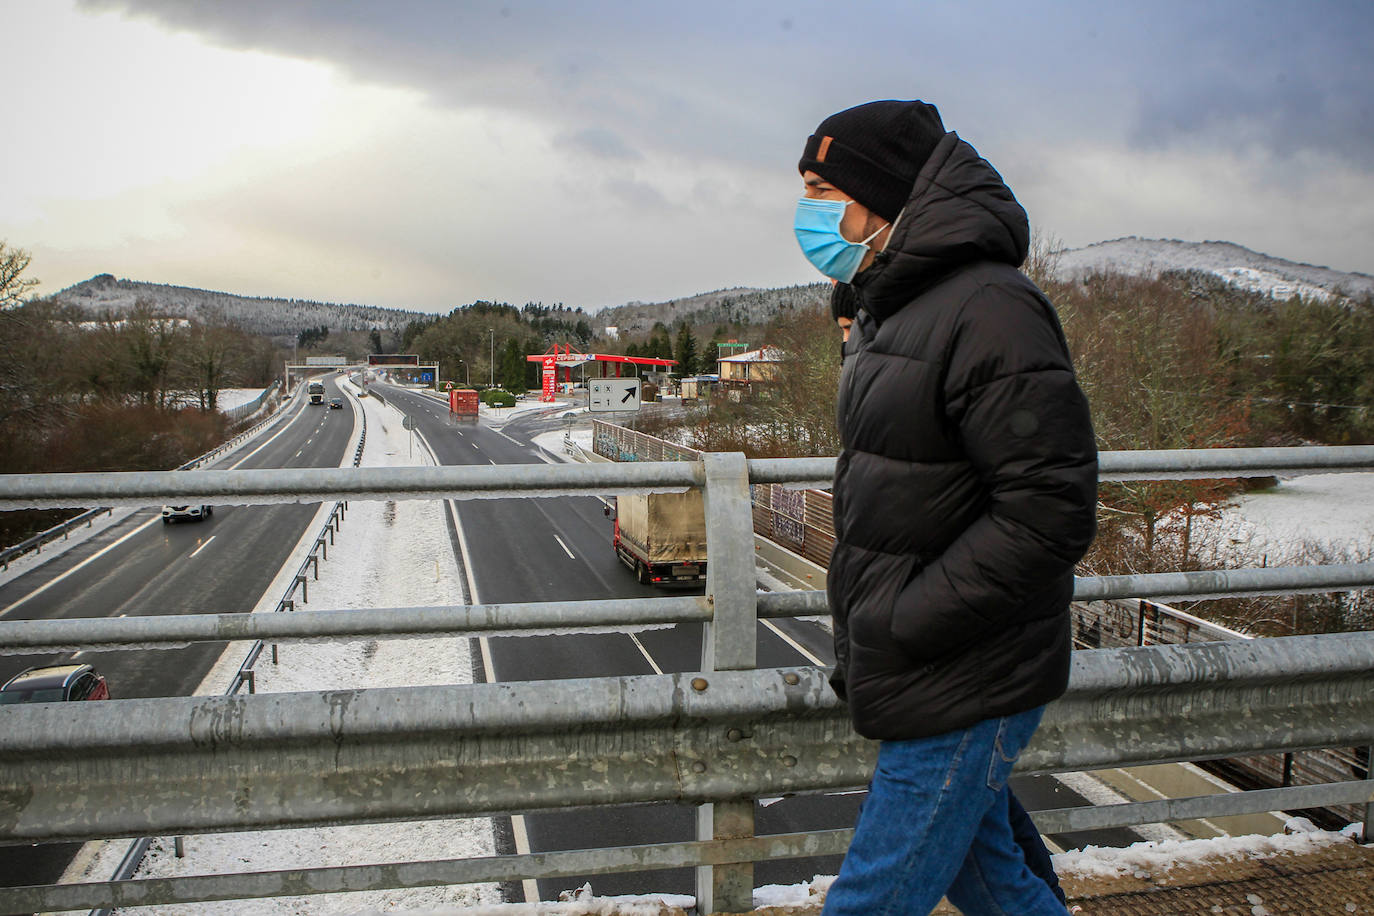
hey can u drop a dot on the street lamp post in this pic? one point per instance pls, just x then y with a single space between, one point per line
492 331
468 371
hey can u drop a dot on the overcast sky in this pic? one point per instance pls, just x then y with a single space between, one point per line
428 154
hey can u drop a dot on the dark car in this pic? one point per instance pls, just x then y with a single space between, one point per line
336 404
55 684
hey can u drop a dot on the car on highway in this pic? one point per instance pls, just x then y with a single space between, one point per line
54 684
189 513
336 404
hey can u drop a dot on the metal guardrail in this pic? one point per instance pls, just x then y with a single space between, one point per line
245 410
719 737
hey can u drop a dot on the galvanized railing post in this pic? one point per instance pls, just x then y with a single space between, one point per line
729 643
1367 830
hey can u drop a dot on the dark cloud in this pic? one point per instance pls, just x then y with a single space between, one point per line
1280 77
720 79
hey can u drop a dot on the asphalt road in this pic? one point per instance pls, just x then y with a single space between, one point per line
559 549
142 567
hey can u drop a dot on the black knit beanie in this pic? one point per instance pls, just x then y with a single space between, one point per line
874 152
844 301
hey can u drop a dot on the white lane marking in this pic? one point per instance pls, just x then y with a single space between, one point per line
298 454
522 847
793 643
100 553
539 453
571 555
645 652
474 445
492 460
91 559
202 546
299 413
509 439
517 821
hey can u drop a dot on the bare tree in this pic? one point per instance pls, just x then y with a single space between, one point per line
13 262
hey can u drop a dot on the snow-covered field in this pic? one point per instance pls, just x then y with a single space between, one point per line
1335 511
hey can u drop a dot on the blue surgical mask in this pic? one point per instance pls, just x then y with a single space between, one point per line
817 226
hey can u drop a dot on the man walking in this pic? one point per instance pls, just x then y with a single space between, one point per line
964 494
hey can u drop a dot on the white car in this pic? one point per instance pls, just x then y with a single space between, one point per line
193 513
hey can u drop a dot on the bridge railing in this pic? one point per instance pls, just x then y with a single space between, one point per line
718 737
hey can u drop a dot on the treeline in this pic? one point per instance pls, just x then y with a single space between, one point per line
1186 361
487 343
136 391
1178 361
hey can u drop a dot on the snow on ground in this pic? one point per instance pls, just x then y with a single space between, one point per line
1144 859
552 442
500 416
386 554
1335 511
229 398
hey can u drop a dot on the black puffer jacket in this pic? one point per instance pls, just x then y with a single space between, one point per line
967 485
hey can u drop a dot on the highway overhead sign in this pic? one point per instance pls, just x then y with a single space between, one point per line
607 394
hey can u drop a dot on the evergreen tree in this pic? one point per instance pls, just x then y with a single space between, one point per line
511 366
686 351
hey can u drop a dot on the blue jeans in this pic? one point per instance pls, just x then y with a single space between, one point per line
936 823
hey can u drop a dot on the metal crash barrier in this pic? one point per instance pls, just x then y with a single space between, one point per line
718 737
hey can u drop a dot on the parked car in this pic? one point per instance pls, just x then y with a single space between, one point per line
193 513
336 404
55 684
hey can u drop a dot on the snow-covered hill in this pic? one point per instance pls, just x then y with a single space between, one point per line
1238 265
723 306
274 317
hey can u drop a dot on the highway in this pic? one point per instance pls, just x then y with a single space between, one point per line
142 567
559 549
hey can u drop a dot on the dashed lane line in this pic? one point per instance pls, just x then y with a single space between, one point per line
571 555
202 546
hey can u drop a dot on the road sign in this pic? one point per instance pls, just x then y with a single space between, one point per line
407 423
608 394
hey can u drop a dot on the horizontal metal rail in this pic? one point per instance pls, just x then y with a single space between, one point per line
573 862
207 764
614 615
432 873
146 488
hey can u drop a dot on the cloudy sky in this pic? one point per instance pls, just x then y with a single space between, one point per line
428 154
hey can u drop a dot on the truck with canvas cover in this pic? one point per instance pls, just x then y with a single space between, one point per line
316 390
662 537
462 403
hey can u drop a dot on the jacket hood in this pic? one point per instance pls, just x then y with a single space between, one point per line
960 211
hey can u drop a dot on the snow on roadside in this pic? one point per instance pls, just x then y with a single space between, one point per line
386 554
229 398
